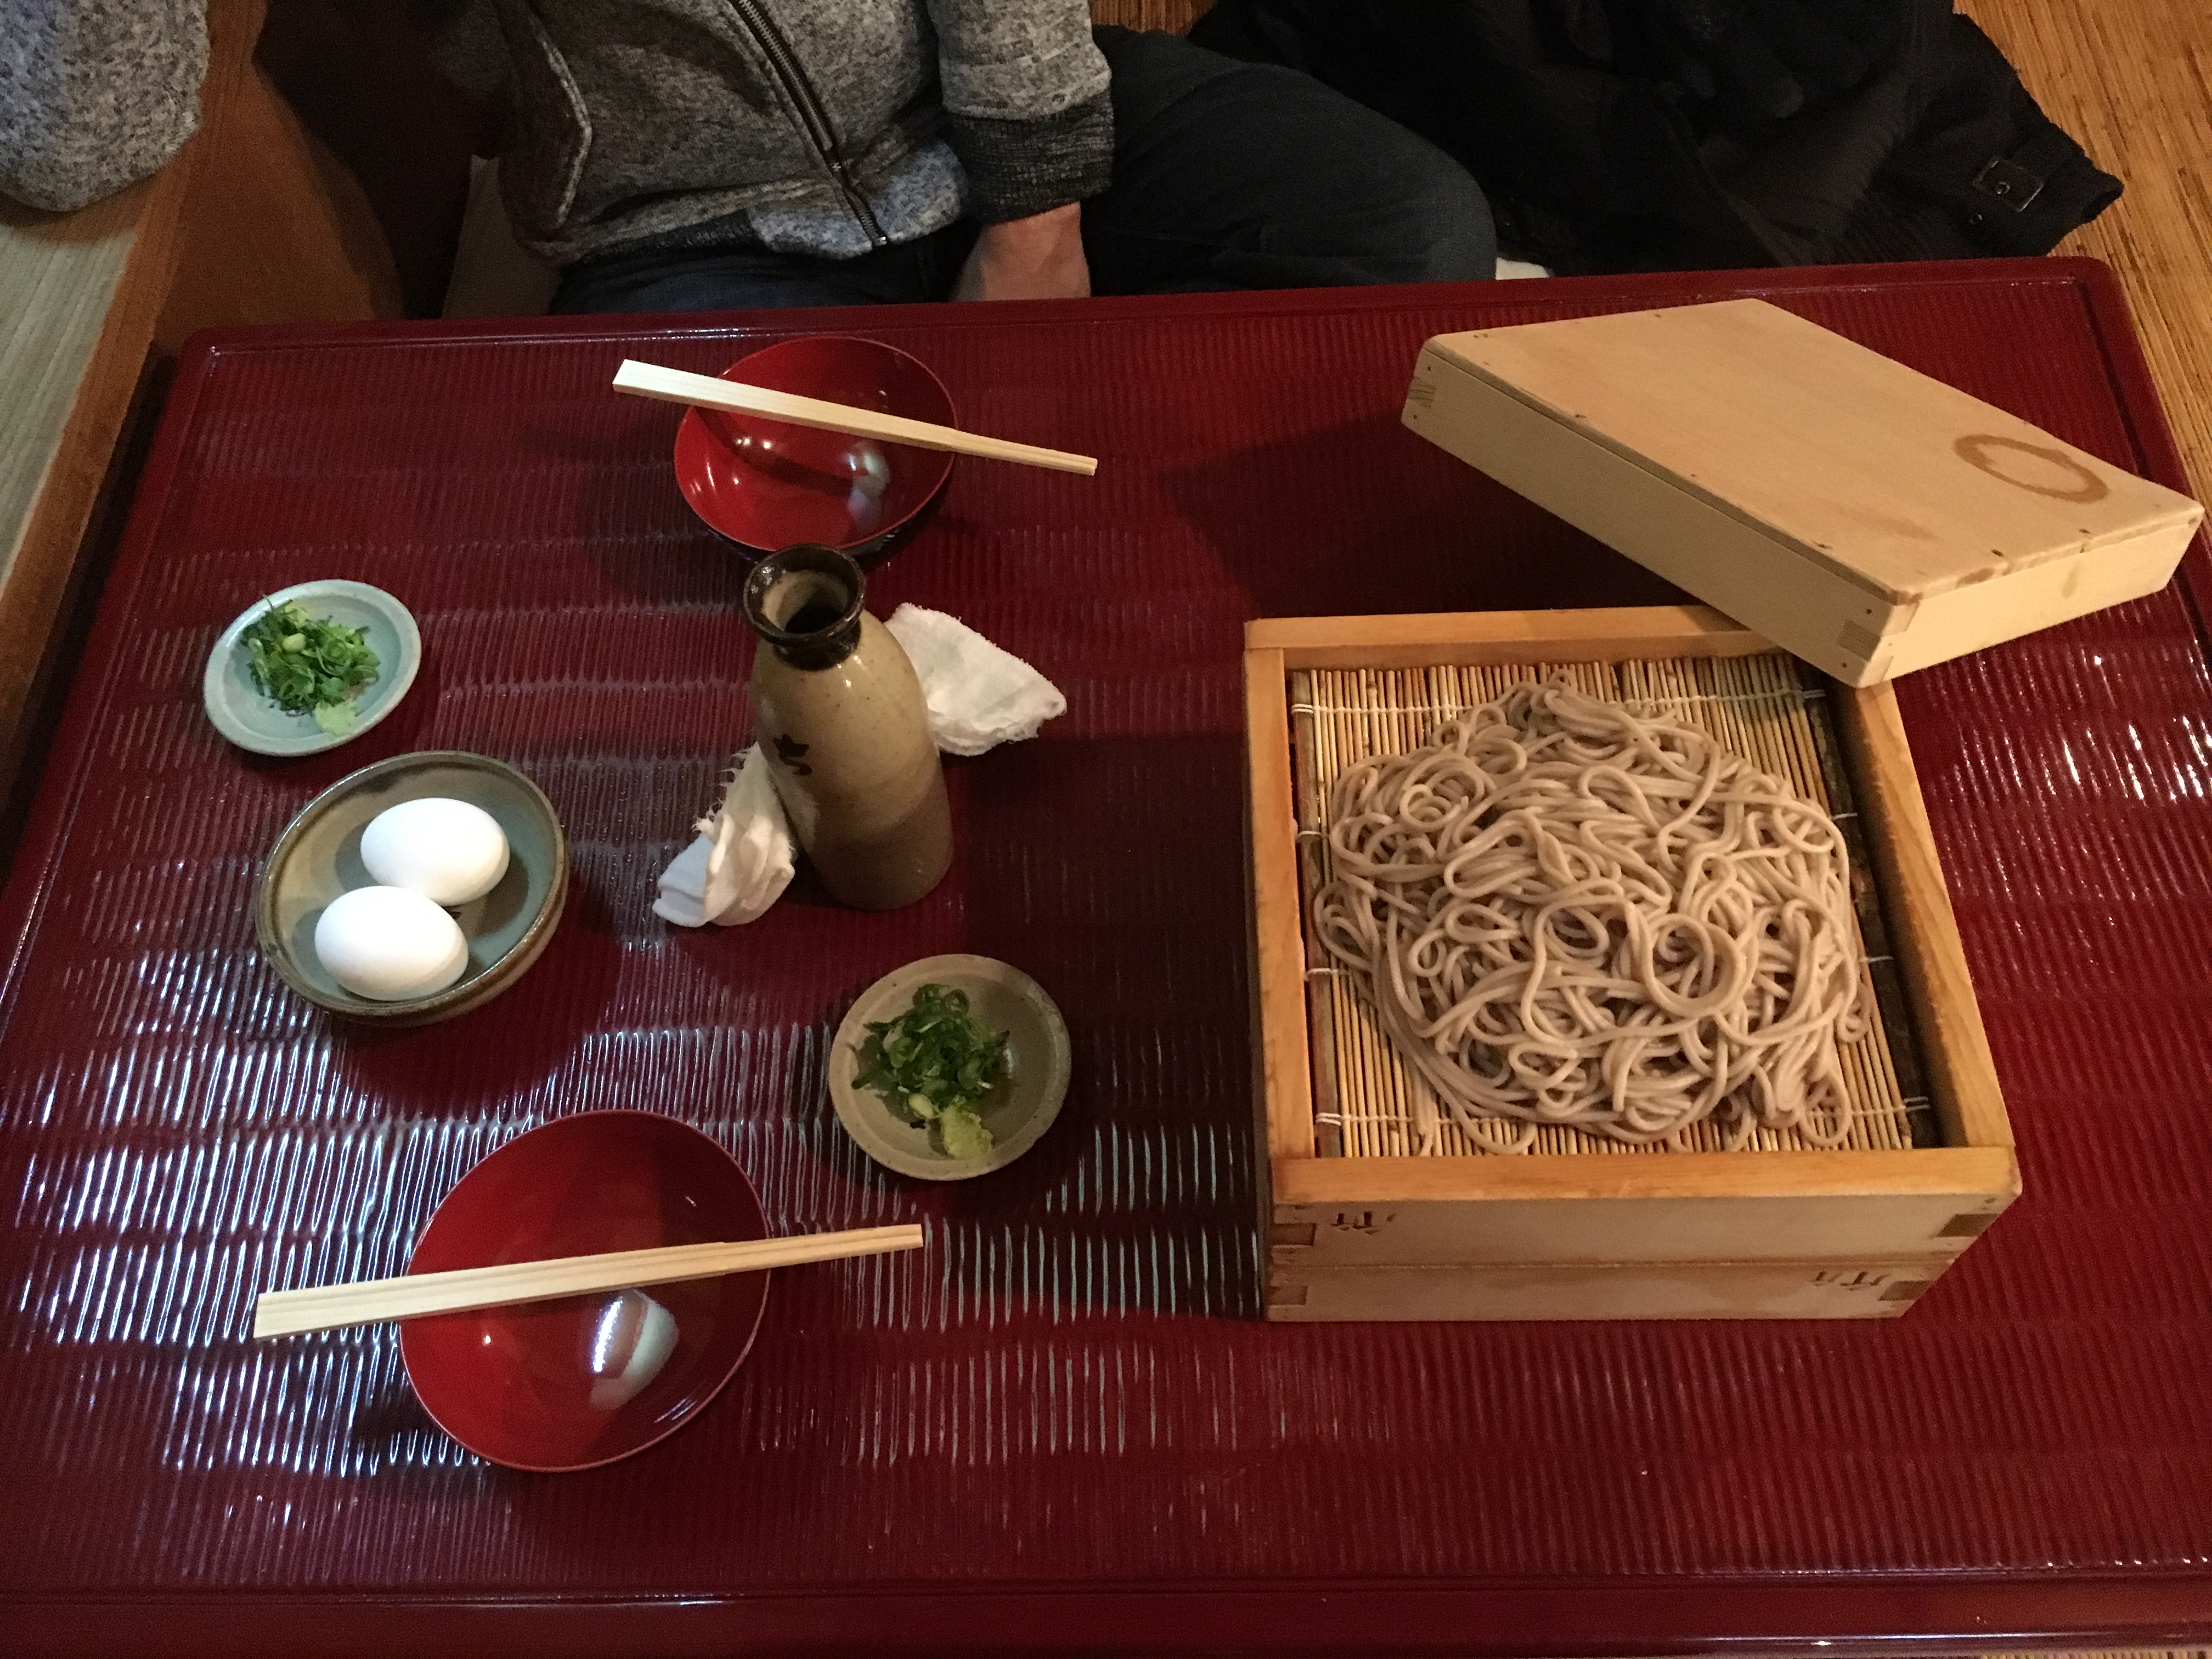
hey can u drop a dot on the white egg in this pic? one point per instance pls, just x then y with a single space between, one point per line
446 850
390 944
625 1348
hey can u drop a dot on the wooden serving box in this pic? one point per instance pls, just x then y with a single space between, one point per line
1597 1232
1867 517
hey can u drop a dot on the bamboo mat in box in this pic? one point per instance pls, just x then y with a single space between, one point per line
1767 708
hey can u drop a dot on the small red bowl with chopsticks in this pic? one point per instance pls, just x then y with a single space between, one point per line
767 484
584 1380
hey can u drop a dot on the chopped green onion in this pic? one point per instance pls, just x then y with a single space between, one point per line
309 665
937 1061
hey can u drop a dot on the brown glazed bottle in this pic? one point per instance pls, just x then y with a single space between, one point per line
840 719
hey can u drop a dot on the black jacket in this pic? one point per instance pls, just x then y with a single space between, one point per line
1595 159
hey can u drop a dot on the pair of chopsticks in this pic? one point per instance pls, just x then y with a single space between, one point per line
367 1301
674 386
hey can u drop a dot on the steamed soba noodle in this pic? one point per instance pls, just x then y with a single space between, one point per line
1567 912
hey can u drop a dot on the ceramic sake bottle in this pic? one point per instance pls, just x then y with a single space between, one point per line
840 719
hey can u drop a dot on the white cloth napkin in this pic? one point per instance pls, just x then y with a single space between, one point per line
978 695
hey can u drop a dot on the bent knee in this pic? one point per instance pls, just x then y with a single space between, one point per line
1449 234
1400 210
1430 224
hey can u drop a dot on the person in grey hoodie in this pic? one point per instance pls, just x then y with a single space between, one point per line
680 154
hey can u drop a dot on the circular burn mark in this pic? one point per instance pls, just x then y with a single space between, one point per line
1978 450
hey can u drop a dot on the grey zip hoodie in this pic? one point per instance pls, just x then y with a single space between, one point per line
827 127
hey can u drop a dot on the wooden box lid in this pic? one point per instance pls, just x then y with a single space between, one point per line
1903 485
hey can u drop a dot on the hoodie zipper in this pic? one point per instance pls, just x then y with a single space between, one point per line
785 62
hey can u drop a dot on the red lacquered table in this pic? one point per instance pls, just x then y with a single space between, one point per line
1062 1427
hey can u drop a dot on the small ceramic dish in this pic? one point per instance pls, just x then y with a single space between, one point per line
767 485
319 856
1016 1110
250 717
568 1384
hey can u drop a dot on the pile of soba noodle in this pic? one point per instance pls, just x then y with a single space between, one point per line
1566 912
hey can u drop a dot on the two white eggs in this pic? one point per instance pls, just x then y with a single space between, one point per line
394 942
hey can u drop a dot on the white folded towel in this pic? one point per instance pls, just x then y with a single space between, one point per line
739 863
979 696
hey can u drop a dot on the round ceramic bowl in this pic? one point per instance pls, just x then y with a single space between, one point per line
246 715
558 1385
318 857
1019 1109
765 484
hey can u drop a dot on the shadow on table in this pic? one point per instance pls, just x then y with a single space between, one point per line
394 1424
1305 527
497 1052
1111 871
629 515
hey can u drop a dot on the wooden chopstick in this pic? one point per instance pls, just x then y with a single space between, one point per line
675 385
322 1308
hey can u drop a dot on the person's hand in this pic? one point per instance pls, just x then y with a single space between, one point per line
1039 258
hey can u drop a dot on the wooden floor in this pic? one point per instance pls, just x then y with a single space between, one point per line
2132 81
1173 16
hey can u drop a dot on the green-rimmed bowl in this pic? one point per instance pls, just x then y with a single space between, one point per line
318 857
1019 1109
250 717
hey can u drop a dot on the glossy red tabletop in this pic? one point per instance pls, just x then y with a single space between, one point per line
1062 1426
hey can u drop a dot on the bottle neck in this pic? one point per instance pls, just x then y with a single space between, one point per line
805 604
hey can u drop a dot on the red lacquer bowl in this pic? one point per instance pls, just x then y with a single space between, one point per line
516 1384
765 484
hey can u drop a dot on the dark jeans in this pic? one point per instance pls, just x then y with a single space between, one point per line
1226 175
